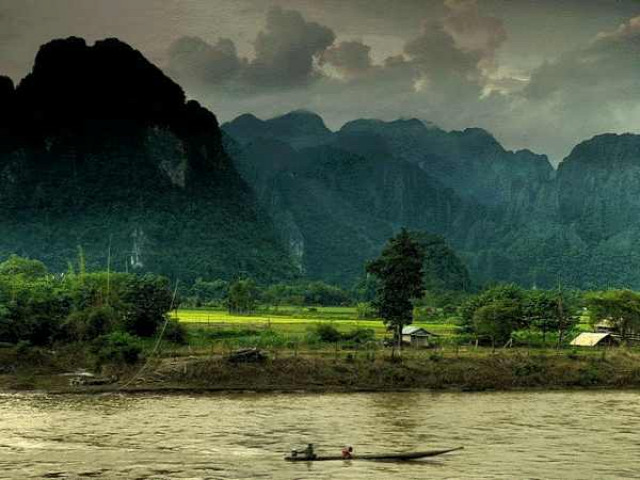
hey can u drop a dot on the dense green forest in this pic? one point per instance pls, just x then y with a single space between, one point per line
103 311
445 276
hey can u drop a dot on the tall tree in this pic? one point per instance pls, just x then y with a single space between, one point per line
551 310
400 272
496 321
508 294
243 296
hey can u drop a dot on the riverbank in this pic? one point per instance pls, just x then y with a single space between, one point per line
469 371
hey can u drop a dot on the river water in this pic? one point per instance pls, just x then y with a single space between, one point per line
546 435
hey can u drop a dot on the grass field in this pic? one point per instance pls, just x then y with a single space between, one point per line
294 327
291 319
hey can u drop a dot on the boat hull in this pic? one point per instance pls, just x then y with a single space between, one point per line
389 457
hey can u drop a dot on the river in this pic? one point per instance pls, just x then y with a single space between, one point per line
524 435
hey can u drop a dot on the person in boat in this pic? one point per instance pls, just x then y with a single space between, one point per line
309 453
347 452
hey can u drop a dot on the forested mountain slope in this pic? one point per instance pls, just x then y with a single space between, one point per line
100 151
509 214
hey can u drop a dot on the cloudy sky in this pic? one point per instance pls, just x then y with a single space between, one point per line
538 74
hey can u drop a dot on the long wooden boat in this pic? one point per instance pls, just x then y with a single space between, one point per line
389 457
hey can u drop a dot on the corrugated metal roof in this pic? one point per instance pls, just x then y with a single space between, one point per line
414 331
589 339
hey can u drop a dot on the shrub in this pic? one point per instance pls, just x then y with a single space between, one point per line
328 333
34 312
6 328
24 267
209 292
531 339
231 333
365 310
176 332
117 348
435 356
32 355
147 299
359 336
89 323
23 347
425 314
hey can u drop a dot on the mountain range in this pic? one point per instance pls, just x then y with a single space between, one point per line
337 195
102 155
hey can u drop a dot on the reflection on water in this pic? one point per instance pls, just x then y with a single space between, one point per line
572 435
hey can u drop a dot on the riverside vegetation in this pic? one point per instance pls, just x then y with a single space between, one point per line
498 338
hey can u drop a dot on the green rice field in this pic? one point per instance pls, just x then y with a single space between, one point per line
291 319
288 326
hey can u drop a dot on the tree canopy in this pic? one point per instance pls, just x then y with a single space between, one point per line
620 307
44 309
497 312
400 271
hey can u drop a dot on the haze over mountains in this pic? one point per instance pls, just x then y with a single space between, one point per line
100 150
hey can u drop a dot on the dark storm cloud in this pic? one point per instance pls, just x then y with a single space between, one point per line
446 70
450 72
606 68
445 62
285 51
435 50
437 74
473 31
590 90
193 57
349 58
284 55
445 57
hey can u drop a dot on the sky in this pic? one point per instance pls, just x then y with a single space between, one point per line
538 74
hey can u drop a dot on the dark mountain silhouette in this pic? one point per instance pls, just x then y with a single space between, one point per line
101 148
7 114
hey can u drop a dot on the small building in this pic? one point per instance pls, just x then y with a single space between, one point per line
416 336
588 339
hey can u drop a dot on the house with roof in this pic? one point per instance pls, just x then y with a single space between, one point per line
416 336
